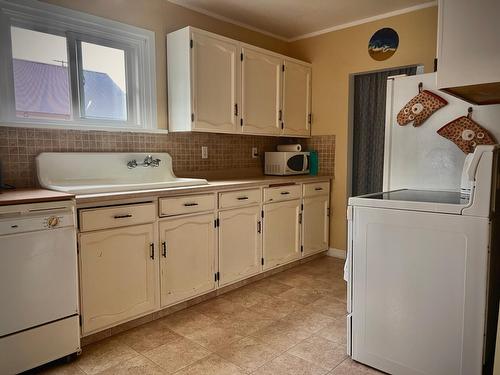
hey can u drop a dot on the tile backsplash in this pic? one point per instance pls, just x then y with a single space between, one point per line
19 146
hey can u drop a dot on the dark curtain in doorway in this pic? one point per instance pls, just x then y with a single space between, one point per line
369 130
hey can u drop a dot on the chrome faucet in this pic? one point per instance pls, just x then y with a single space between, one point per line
148 162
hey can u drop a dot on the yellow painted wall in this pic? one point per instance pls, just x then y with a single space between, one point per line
334 57
163 17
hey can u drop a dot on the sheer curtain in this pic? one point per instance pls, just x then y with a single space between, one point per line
369 129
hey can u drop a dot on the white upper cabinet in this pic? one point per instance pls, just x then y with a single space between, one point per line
261 92
469 49
296 99
215 72
220 85
203 82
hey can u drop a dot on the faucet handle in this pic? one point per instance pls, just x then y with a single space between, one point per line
132 164
155 162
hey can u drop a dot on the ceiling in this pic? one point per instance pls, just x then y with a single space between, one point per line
295 19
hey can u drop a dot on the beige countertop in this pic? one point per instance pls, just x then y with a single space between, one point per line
23 196
213 185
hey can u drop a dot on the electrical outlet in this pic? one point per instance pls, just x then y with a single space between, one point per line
255 153
204 152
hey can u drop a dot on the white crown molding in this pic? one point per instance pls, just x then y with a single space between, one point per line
308 35
227 19
365 20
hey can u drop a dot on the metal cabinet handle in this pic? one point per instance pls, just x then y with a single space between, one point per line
259 226
236 109
190 204
285 192
242 198
152 248
122 216
318 188
164 249
300 218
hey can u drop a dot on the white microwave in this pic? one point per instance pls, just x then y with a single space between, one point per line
286 163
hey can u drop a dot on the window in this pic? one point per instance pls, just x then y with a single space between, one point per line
70 69
103 82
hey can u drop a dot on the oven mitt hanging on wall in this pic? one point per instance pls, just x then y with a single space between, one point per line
420 108
466 133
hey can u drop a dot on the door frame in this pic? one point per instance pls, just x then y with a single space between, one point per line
350 118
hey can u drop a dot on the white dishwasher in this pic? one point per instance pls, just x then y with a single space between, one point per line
38 285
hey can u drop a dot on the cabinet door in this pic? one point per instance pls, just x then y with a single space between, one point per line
261 92
187 257
215 83
281 242
296 99
118 275
240 248
315 225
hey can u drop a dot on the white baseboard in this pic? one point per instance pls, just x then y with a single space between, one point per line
336 253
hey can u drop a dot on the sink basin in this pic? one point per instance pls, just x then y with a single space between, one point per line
105 172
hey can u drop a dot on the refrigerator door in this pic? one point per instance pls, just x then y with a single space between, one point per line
418 289
419 158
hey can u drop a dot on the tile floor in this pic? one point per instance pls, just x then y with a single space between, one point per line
288 324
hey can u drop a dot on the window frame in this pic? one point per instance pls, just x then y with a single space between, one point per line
78 27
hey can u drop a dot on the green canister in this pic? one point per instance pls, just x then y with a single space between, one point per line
313 163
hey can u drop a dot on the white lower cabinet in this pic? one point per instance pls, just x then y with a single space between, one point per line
187 265
281 237
118 275
315 224
240 244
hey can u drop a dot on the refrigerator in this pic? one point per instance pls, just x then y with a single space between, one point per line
419 264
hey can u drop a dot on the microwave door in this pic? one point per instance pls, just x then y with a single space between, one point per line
295 163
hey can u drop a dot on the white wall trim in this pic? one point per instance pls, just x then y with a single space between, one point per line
308 35
336 253
365 20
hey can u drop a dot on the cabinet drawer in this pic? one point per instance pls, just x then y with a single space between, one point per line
186 204
281 193
116 216
316 188
239 198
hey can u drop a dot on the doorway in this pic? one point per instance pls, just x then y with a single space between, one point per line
367 128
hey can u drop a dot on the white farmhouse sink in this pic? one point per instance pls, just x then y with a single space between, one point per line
102 172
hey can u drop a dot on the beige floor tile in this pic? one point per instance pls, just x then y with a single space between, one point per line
335 331
246 297
248 353
269 287
350 367
60 369
246 321
136 366
148 336
218 308
330 306
320 351
212 365
301 296
176 354
295 280
187 321
103 355
276 308
287 364
308 320
215 336
281 336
